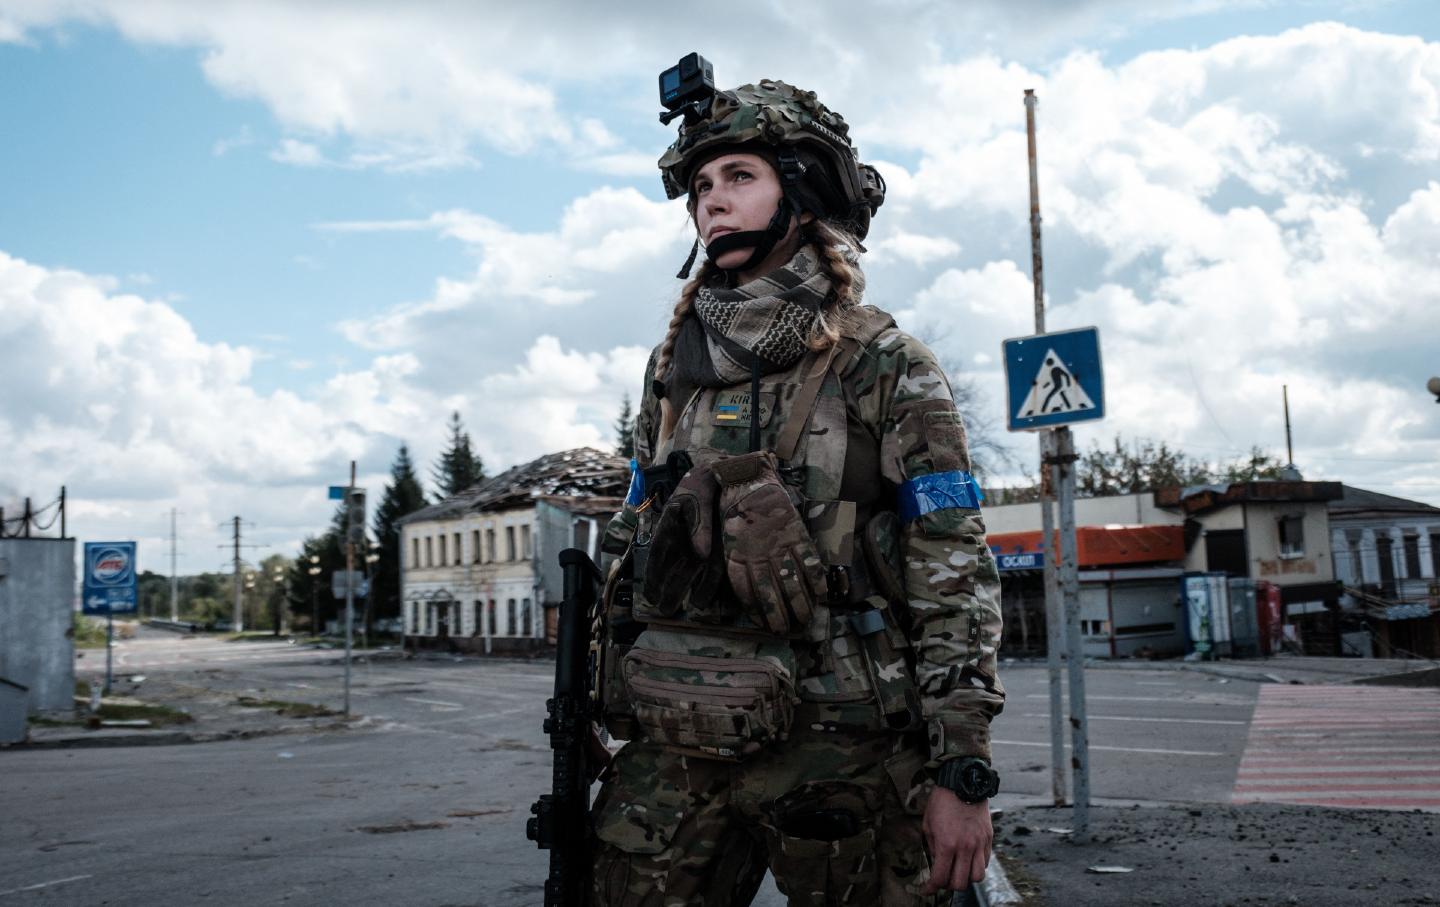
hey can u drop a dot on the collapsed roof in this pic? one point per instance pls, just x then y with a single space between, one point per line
581 475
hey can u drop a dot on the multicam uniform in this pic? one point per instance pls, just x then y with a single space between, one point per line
892 672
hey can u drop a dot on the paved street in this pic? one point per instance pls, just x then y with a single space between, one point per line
424 801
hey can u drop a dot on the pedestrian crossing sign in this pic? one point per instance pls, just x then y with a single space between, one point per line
1053 379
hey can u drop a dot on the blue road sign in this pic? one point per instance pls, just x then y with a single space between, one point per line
1053 379
337 492
110 582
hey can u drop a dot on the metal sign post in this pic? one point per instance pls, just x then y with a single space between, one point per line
1053 380
109 589
1047 487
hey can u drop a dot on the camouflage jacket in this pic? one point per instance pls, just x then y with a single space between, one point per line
899 425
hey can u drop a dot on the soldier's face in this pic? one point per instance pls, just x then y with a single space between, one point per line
734 192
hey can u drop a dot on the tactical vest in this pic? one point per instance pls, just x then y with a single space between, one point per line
726 691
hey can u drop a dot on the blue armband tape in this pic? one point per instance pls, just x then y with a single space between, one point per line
636 495
938 491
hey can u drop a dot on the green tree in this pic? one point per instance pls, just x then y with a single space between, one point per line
403 496
459 467
625 429
310 598
1136 467
1258 464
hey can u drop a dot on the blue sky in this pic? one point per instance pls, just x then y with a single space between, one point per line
368 217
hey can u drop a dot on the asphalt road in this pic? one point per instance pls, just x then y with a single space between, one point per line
425 802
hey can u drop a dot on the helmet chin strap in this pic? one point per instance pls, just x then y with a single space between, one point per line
761 242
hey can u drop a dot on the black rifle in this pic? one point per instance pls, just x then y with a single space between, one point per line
561 822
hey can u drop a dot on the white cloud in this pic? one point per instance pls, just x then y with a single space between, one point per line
293 151
1220 213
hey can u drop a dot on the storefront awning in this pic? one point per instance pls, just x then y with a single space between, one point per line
1098 546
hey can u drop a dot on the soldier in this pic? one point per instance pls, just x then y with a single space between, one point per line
801 613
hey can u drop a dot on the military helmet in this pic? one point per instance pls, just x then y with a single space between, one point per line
818 169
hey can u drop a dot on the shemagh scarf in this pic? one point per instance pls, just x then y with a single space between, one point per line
766 320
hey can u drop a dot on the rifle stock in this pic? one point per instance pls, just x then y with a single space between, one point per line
561 822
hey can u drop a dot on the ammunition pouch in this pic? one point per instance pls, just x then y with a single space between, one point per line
710 696
884 650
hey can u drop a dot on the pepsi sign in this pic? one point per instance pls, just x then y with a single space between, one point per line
110 582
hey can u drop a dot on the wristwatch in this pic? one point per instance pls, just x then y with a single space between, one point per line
970 778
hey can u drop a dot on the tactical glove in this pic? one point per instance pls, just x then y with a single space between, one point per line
773 566
683 569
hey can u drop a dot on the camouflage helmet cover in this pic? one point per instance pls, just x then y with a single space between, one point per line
780 115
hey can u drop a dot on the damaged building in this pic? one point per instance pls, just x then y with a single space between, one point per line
479 570
1255 556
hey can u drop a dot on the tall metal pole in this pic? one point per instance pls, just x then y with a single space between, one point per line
174 582
349 585
239 596
1054 639
109 649
1075 655
1289 449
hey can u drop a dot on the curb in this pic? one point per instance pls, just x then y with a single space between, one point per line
173 738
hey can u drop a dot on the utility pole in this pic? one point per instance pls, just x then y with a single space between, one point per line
1289 448
239 596
350 533
174 581
1062 590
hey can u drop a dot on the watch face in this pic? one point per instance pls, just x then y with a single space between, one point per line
971 779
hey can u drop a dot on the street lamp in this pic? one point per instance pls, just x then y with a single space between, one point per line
249 587
314 572
1433 386
281 610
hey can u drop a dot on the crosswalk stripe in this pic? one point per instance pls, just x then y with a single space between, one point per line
1357 747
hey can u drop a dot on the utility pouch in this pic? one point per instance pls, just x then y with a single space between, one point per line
771 561
709 696
881 541
612 633
883 648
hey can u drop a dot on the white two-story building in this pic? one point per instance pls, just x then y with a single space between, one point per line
475 567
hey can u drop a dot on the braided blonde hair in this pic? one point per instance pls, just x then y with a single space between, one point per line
839 254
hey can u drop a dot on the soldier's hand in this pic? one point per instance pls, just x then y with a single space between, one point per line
959 838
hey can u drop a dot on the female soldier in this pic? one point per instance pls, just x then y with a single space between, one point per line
802 617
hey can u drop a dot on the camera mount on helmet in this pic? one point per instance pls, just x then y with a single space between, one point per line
687 89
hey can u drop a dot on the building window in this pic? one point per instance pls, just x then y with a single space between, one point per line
509 543
1292 536
429 552
1412 556
525 629
525 542
1435 553
442 550
490 545
475 546
478 624
414 616
510 621
457 549
490 617
414 553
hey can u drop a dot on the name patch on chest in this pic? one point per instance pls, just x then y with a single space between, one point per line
733 408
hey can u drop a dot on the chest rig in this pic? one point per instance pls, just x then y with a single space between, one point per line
715 681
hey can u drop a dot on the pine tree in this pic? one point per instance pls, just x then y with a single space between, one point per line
459 467
403 496
625 430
